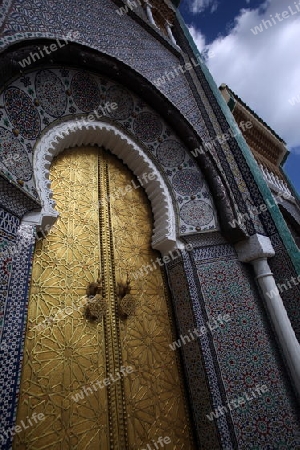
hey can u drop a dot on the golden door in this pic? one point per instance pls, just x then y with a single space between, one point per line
105 227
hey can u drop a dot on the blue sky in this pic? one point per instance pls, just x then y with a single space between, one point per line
262 68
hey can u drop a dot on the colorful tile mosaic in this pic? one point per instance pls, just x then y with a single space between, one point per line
8 230
197 213
49 99
124 100
283 271
5 5
219 365
170 153
13 332
187 182
148 127
199 392
14 156
241 354
85 92
22 112
51 93
14 200
8 224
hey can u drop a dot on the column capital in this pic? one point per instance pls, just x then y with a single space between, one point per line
255 247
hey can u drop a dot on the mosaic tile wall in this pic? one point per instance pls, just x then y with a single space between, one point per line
12 334
13 198
5 5
238 355
47 97
198 380
146 52
97 25
283 270
8 231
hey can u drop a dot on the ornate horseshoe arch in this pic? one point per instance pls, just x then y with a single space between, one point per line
85 132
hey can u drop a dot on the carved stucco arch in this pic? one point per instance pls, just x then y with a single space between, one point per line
84 132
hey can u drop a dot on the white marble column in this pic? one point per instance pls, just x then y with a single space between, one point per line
256 250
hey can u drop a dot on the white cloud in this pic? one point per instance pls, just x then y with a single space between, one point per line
262 69
197 6
198 37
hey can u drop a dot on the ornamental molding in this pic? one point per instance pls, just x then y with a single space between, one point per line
79 132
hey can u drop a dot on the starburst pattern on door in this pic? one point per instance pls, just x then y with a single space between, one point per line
70 352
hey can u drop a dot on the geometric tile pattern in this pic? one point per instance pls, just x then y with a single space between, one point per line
170 153
5 5
147 127
14 200
8 224
90 93
14 156
283 271
12 338
124 100
49 91
193 361
210 282
8 230
242 354
22 112
216 389
85 92
197 213
187 182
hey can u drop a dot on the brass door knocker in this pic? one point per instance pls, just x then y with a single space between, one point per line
126 302
96 306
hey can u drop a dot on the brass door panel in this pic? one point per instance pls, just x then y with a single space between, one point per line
154 399
101 227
